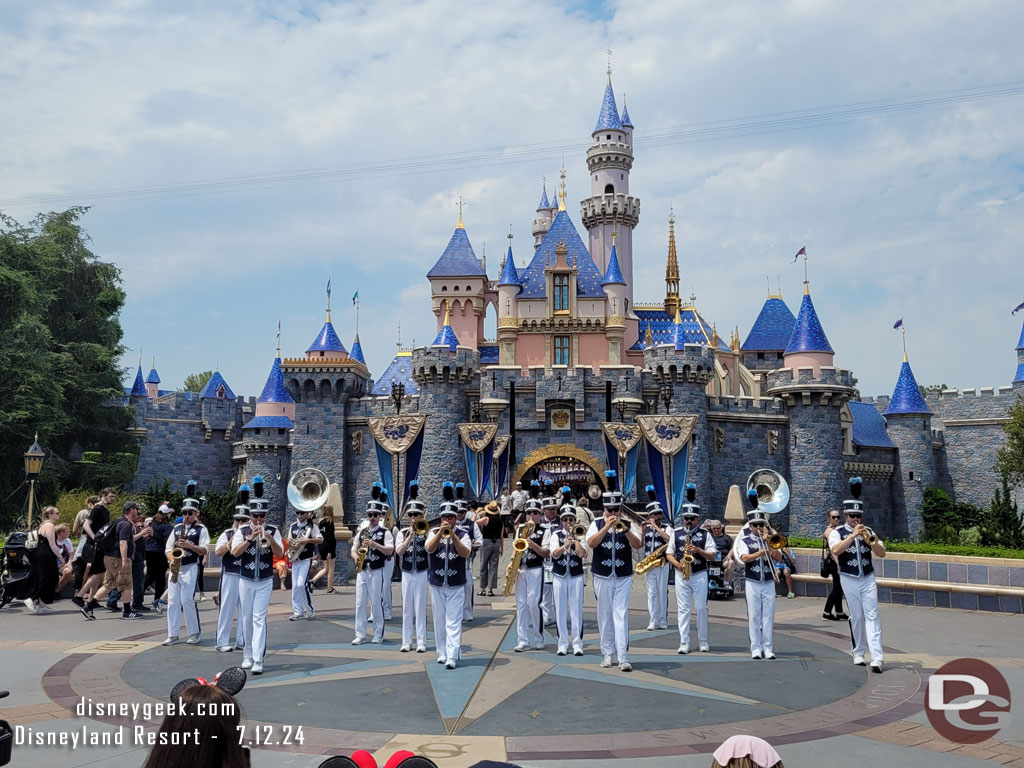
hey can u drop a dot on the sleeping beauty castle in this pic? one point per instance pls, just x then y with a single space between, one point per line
574 348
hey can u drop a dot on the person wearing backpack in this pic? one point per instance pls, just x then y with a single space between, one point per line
118 553
92 553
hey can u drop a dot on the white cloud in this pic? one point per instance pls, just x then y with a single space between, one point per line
903 216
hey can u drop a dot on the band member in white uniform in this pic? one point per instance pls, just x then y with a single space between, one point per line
389 564
411 552
549 505
530 579
476 540
370 578
567 555
305 531
230 566
750 552
256 545
191 536
656 535
691 540
446 559
857 575
612 566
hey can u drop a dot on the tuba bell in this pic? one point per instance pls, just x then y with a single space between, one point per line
308 489
772 490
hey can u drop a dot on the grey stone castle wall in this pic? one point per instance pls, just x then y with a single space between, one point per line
915 465
186 439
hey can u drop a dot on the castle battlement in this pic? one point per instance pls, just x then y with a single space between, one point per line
694 363
440 365
762 405
829 376
976 392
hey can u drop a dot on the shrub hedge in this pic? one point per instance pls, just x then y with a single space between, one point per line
925 548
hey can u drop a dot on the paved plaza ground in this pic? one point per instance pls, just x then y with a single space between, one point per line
536 709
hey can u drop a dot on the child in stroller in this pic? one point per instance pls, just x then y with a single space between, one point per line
15 567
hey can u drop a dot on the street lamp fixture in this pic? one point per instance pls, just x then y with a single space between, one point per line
666 395
33 466
397 395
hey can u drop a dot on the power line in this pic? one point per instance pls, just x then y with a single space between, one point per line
717 130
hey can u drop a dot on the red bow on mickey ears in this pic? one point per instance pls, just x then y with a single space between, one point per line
202 681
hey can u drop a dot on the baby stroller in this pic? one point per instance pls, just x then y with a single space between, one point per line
6 738
15 566
718 587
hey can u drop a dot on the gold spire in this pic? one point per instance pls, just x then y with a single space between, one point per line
459 225
647 336
734 342
679 318
903 331
672 267
561 192
714 335
447 314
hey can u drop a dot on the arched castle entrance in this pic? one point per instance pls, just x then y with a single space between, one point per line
564 464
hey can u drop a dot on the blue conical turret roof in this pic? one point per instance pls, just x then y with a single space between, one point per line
614 274
153 377
1020 344
458 259
139 387
214 383
609 117
509 275
773 327
907 397
327 340
446 336
273 390
399 372
357 351
544 203
808 335
626 122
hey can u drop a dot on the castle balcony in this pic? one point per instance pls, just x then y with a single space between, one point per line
609 154
610 209
801 383
695 363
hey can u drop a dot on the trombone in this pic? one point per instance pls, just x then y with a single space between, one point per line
774 542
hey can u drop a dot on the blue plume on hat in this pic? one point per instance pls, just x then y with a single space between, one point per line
534 489
691 492
650 493
752 498
243 495
448 491
414 489
856 486
609 473
257 486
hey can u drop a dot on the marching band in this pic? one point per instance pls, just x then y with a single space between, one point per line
437 559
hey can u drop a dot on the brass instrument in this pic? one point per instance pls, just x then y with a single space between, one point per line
687 559
772 490
765 552
295 547
869 536
362 552
445 531
176 554
579 531
519 546
420 527
654 560
308 489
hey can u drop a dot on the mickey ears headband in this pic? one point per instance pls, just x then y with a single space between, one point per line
363 759
231 681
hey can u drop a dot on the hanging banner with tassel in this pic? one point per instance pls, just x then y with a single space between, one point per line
499 472
478 441
399 443
668 441
622 448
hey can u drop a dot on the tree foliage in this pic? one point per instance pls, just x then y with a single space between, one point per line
195 382
218 507
1004 527
59 372
938 513
1010 460
931 389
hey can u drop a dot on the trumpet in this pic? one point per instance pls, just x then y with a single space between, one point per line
579 531
420 527
869 536
445 531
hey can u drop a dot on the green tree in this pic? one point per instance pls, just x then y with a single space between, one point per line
938 514
59 372
195 382
1010 460
1005 528
931 389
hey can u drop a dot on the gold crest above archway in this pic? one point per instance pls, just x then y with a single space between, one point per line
557 450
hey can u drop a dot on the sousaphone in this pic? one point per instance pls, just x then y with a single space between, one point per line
308 489
772 490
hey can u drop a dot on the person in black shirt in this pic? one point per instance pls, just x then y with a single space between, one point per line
118 552
490 523
92 579
328 548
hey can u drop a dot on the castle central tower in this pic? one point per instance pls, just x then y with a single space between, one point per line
610 208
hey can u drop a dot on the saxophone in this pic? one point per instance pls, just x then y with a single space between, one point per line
518 547
654 560
362 552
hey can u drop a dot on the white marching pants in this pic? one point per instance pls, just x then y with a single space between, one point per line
693 589
255 602
861 594
657 594
385 587
568 598
369 597
446 603
181 599
414 607
230 604
302 603
612 611
760 597
547 604
528 599
467 590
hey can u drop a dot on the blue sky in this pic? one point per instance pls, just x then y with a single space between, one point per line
916 216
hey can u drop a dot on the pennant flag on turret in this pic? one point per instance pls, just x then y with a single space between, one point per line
801 252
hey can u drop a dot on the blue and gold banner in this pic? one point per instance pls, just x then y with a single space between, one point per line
499 472
668 453
622 448
478 441
399 443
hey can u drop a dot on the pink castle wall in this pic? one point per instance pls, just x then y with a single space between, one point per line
530 350
593 349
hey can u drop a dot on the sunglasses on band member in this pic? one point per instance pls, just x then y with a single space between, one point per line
857 515
757 525
256 516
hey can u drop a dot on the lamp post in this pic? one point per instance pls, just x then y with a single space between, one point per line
397 395
666 394
33 466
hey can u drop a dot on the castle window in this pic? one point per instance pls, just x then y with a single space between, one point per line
622 176
561 350
760 355
910 476
609 189
220 391
469 288
456 289
321 353
444 289
609 137
561 297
